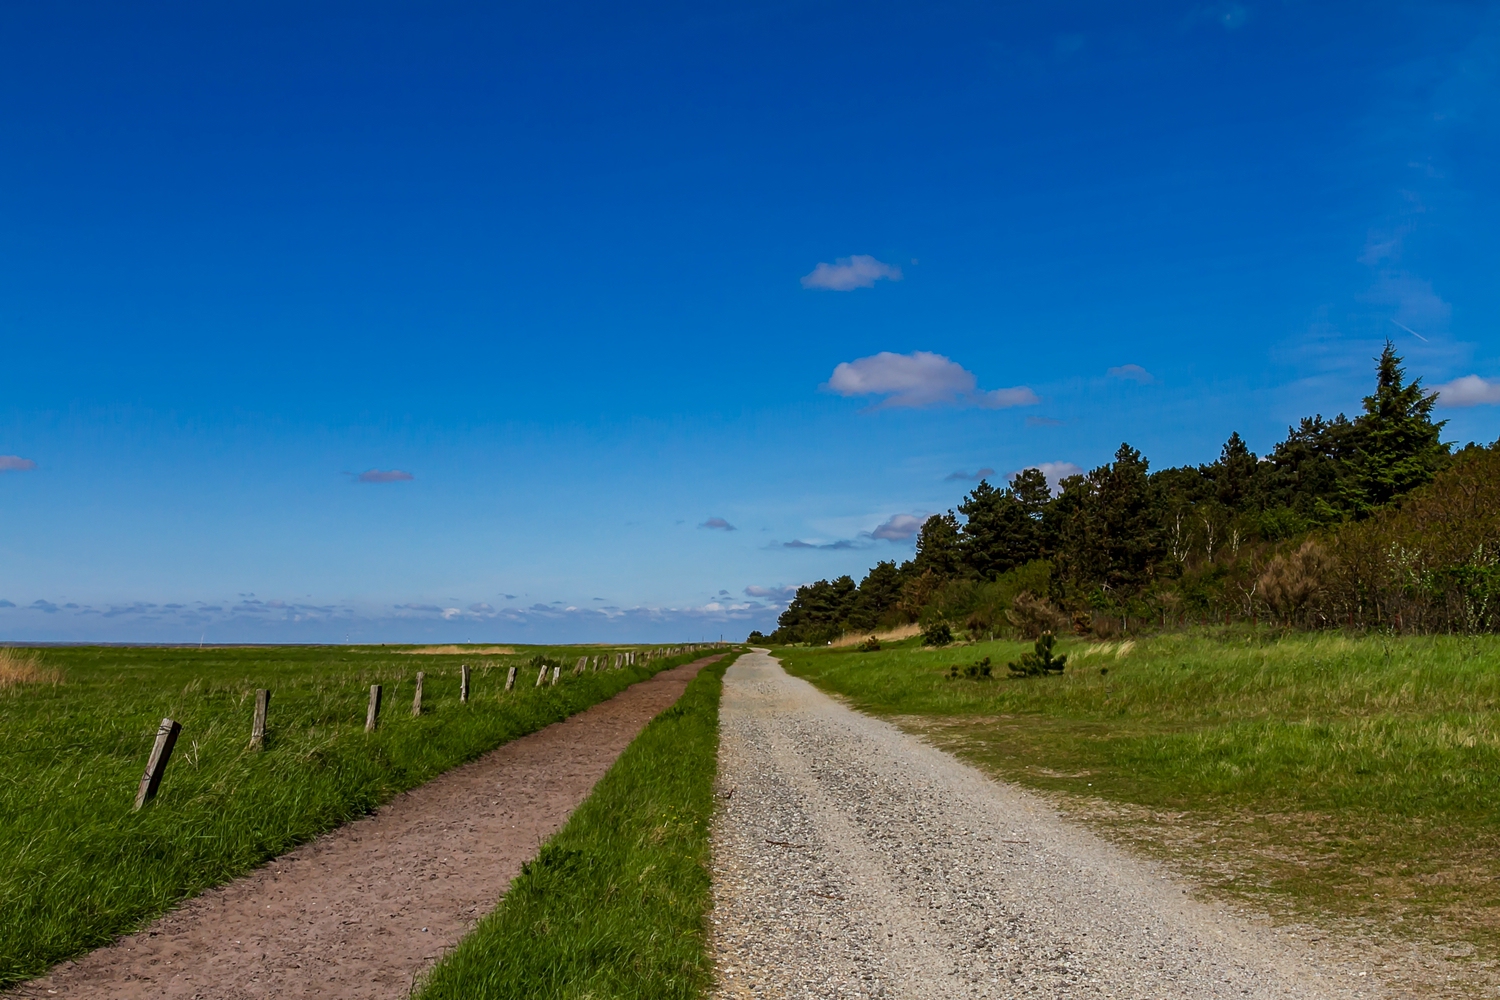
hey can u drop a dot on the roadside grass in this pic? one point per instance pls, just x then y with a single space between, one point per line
1319 776
614 905
78 867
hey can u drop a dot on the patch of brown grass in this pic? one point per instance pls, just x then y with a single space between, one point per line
19 666
460 650
890 635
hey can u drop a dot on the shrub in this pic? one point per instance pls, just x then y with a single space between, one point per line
1040 660
870 645
1033 616
978 670
937 634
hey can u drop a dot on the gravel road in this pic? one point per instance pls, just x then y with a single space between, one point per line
852 860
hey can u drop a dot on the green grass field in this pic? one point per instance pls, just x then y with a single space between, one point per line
78 867
1323 776
615 904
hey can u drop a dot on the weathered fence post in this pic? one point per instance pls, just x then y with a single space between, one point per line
156 766
373 712
258 725
463 684
556 672
416 701
583 661
510 678
541 675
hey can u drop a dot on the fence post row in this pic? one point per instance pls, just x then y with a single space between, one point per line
463 684
510 678
156 766
416 701
373 712
258 725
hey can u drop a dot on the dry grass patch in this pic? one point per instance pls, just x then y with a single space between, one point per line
459 650
890 635
19 666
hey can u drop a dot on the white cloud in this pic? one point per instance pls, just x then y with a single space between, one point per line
384 476
718 523
1471 390
1132 373
899 528
772 593
848 273
1055 472
15 463
1417 305
920 379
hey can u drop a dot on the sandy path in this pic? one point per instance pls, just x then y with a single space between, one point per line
852 860
361 911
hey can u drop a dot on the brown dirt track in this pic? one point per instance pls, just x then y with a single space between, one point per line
362 911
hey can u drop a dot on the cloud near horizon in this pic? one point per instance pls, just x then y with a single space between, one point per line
718 524
1132 373
848 273
1055 472
974 477
384 476
921 379
900 527
15 463
1470 390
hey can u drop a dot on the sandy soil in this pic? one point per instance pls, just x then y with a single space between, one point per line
853 860
362 911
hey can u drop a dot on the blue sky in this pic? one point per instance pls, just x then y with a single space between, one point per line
601 282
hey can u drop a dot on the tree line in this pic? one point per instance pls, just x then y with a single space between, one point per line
1372 521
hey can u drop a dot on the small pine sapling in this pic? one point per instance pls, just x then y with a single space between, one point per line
978 670
1040 661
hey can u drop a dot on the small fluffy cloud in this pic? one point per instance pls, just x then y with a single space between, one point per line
15 463
900 527
717 523
920 379
1132 373
1055 472
969 477
384 476
772 593
848 273
1471 390
797 543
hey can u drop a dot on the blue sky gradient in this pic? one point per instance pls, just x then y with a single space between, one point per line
558 263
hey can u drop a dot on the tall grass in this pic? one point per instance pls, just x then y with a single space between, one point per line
615 904
78 867
1354 776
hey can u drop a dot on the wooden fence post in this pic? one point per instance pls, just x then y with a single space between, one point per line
510 678
541 675
156 766
556 672
583 661
463 684
373 712
258 726
416 701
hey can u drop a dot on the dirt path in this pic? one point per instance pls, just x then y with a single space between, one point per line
852 860
361 911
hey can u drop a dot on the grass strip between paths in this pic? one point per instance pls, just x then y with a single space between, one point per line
615 904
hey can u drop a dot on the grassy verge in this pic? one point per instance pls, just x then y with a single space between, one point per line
78 867
1321 776
614 905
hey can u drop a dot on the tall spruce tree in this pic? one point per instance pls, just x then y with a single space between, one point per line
1397 445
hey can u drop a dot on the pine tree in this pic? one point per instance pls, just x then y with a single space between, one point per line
1397 445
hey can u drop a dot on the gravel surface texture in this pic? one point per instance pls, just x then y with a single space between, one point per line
853 860
364 910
